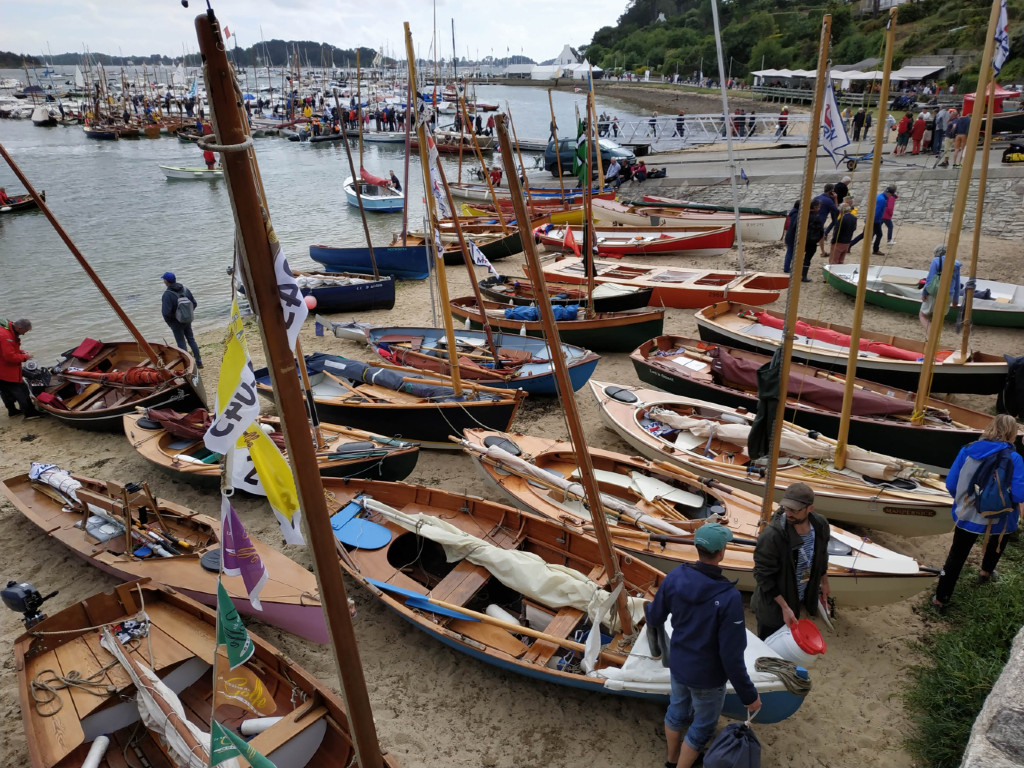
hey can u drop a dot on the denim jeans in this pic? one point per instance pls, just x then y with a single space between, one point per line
182 335
702 705
787 262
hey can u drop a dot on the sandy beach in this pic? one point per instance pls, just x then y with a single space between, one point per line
433 707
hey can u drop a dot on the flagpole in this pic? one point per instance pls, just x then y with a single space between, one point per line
976 240
793 297
259 260
483 165
959 207
866 245
554 137
728 135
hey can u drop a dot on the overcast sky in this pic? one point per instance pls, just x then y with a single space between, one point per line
536 28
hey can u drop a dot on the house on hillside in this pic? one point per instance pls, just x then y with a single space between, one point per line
568 64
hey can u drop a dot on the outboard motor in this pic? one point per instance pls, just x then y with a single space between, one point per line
25 599
36 376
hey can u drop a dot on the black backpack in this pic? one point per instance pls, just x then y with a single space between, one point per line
1011 398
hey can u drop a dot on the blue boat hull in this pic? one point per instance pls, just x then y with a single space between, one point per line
403 262
776 706
363 297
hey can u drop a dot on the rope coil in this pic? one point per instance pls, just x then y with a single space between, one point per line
207 143
785 670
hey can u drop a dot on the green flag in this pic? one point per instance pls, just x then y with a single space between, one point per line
226 744
231 631
579 160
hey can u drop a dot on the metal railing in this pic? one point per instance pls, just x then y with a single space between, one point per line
666 133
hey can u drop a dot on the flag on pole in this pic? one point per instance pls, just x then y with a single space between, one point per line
225 745
833 132
570 240
237 405
579 160
278 482
293 303
227 33
436 187
239 555
1002 52
242 688
478 257
231 631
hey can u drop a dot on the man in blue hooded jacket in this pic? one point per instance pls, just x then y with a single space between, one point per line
708 640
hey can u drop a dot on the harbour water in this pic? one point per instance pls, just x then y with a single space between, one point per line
132 224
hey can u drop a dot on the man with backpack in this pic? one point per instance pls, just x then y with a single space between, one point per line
987 485
178 307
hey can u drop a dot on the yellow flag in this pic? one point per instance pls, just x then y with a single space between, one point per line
237 401
278 482
241 687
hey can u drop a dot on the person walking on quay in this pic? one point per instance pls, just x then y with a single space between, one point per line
828 210
917 133
843 233
13 391
815 235
842 189
707 646
986 482
653 123
789 236
858 123
178 307
867 125
680 125
962 127
881 205
790 563
929 293
783 125
941 123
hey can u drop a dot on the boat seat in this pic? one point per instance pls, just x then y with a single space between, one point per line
461 583
85 394
327 387
616 479
290 726
563 623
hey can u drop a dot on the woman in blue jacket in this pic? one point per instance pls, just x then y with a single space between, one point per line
969 523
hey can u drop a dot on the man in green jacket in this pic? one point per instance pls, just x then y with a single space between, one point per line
790 562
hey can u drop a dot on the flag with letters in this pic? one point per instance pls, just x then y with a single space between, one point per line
293 303
478 257
225 745
1002 52
231 632
237 405
277 481
834 137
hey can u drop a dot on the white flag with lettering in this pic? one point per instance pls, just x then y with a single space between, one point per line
834 138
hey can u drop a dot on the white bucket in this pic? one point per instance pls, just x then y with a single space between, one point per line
497 612
784 644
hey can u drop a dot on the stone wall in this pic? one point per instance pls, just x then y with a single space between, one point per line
997 738
925 196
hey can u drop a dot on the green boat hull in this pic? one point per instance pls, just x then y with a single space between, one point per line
979 316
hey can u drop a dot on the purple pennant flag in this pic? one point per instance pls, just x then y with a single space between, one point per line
239 555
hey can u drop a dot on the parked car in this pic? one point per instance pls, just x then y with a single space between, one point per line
567 150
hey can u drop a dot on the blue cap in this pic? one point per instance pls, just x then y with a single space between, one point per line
169 277
712 537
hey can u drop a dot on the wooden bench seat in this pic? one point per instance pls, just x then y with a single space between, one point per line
290 726
461 583
563 623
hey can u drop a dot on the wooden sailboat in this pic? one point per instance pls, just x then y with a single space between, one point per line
109 379
880 491
753 226
309 727
523 362
654 509
520 291
899 288
20 203
880 414
125 531
883 357
632 241
343 451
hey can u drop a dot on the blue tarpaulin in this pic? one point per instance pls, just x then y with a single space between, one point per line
562 312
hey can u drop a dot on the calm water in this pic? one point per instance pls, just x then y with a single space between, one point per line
132 224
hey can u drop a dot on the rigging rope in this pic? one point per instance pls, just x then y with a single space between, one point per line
786 671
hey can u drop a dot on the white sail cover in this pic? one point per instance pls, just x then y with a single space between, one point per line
793 443
554 586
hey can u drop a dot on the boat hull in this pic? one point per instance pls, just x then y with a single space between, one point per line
22 203
374 198
403 262
520 291
983 375
364 296
184 173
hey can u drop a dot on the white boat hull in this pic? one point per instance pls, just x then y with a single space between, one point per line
374 198
753 227
192 173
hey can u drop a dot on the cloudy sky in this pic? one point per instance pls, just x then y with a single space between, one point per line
536 28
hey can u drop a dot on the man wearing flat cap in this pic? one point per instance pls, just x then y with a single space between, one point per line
790 562
708 641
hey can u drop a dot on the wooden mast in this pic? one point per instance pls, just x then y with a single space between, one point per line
359 195
793 298
255 250
432 218
146 347
976 240
866 244
554 137
588 212
959 206
483 166
547 317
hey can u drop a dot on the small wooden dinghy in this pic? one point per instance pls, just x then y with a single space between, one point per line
880 418
679 287
344 291
521 291
632 241
604 332
494 242
884 358
754 227
524 362
345 452
404 262
418 407
176 638
995 303
874 490
654 509
127 532
20 203
448 564
98 382
191 173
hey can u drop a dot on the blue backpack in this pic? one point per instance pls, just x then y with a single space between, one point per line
990 490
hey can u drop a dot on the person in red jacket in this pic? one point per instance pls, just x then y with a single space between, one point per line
917 133
13 391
